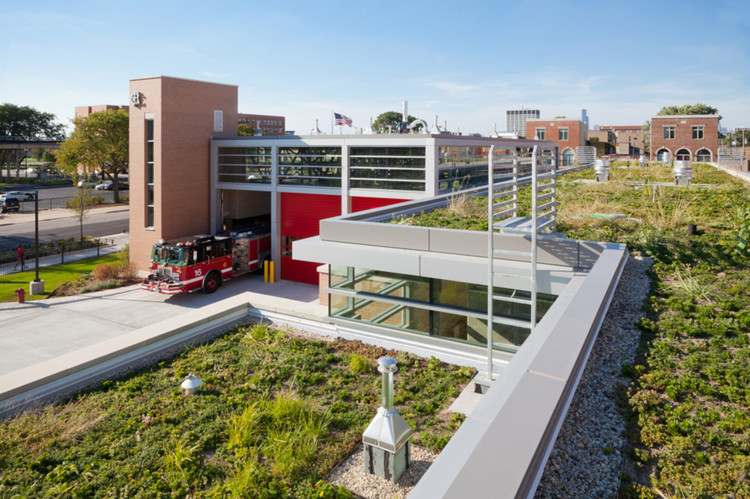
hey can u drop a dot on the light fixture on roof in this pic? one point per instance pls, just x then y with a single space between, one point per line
190 384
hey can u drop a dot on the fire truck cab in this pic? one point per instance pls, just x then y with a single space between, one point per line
204 262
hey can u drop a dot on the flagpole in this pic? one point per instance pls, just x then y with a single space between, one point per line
331 121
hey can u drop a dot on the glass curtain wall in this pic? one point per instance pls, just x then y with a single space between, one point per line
318 166
393 168
434 307
244 165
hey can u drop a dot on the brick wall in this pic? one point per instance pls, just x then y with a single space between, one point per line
183 114
683 135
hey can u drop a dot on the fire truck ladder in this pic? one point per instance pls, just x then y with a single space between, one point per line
503 217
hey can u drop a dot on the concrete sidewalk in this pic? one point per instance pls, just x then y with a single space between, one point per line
41 330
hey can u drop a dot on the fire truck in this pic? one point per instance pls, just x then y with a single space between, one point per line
204 262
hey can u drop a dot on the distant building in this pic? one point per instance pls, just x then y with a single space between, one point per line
626 129
602 135
585 117
685 137
515 119
630 139
265 124
85 111
569 134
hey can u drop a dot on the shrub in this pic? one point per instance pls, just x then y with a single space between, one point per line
359 365
104 272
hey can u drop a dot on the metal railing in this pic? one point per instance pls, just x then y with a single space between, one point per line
503 216
56 255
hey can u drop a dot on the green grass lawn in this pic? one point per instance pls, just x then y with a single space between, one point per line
52 276
275 414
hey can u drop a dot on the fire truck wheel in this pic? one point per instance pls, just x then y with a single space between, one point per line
211 282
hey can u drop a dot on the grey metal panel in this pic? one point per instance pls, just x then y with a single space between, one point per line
473 269
563 350
558 251
552 251
387 259
589 251
436 481
464 242
499 465
375 234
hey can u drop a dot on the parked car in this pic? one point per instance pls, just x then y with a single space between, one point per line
19 195
86 183
9 204
109 186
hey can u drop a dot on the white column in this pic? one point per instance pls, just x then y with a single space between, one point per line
275 214
346 202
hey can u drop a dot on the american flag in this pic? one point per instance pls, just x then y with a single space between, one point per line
340 119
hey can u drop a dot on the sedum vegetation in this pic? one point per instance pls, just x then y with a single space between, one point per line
275 414
688 400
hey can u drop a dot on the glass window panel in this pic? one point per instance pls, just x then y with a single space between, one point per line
246 151
382 184
149 194
401 317
149 216
386 151
387 174
149 129
317 182
388 162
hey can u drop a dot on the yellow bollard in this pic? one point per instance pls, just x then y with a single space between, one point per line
265 271
271 274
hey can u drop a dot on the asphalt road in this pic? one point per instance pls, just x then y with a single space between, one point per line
95 224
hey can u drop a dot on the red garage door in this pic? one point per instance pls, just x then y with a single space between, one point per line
362 204
300 214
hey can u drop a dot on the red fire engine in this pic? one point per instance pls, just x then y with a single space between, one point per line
206 261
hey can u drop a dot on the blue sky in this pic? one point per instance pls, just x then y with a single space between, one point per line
466 62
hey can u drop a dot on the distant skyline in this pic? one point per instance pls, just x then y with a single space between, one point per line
465 63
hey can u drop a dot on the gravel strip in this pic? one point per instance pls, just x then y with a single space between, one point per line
351 474
587 457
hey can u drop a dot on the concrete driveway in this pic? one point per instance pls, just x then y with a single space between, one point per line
40 330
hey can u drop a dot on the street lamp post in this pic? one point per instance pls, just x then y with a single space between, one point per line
36 287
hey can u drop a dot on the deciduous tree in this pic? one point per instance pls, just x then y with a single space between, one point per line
99 141
688 109
389 118
29 123
245 130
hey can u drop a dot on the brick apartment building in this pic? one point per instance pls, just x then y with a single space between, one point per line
265 124
569 134
685 137
86 111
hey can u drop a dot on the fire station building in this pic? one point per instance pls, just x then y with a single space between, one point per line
191 174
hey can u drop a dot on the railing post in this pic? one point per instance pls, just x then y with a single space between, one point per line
491 250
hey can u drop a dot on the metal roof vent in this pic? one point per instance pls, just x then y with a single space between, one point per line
387 441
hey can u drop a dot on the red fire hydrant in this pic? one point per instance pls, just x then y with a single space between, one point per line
21 294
